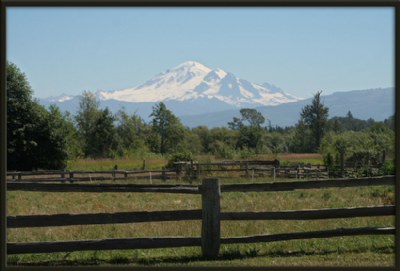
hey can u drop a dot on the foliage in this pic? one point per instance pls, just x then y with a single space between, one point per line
252 117
314 117
179 157
303 138
251 134
390 122
348 123
168 130
131 133
35 136
46 138
104 135
359 149
96 128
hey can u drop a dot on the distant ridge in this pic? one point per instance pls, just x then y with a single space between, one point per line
377 104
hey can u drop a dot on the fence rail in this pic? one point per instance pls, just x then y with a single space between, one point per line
187 169
287 186
88 175
194 189
210 215
60 187
310 235
171 242
178 215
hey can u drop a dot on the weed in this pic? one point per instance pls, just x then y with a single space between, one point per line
326 196
231 253
252 252
119 260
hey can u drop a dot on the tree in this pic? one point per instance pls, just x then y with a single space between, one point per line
96 128
248 115
203 134
131 133
86 118
363 149
315 117
249 126
167 128
34 139
390 122
104 135
303 139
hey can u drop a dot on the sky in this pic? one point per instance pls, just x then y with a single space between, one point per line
301 50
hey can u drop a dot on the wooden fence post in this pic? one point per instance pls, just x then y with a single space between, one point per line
274 173
210 231
163 175
144 164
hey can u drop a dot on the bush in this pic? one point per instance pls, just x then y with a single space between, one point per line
388 168
178 157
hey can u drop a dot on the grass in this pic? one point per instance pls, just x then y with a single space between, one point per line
341 251
157 161
122 163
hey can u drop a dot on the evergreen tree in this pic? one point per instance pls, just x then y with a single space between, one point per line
167 128
104 135
315 117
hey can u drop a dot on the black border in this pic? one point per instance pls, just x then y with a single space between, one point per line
184 3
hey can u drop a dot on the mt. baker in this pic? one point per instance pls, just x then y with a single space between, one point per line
192 81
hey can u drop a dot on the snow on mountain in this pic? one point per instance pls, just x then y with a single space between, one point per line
59 99
192 81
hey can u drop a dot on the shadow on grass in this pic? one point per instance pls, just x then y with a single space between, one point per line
228 255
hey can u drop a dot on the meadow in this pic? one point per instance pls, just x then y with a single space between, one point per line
340 251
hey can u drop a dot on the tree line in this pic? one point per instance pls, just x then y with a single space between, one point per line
46 138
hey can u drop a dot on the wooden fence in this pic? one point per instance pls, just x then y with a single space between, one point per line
195 172
82 176
210 215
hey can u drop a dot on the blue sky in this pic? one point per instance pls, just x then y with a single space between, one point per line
301 50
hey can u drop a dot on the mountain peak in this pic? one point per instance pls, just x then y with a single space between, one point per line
192 65
193 81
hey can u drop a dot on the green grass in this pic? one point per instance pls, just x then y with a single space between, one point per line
340 251
122 163
154 161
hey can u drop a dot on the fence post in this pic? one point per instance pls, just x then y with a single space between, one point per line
210 231
144 164
274 173
163 175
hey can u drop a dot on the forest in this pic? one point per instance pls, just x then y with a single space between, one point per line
46 138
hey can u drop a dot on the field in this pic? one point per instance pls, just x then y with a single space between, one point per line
158 161
340 251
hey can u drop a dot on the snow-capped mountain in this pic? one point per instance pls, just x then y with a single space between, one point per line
59 99
191 81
